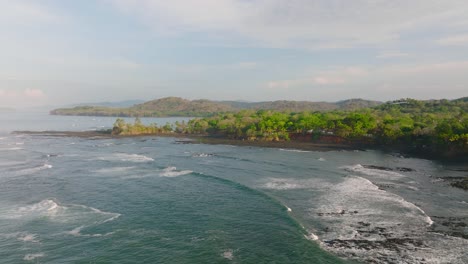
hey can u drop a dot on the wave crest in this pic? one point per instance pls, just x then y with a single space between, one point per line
172 172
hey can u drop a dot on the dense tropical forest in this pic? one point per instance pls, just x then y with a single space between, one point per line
424 126
175 106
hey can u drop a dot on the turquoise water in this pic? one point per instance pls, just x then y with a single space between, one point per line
155 200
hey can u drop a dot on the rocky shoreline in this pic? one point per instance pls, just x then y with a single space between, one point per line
197 139
461 183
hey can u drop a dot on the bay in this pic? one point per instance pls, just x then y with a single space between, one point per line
154 200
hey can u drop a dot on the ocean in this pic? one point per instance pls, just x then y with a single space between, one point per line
163 200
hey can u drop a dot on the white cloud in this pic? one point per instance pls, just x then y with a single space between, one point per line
21 98
392 55
434 69
307 24
457 40
34 93
418 80
26 12
335 76
326 80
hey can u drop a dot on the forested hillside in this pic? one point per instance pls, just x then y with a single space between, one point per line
434 125
175 106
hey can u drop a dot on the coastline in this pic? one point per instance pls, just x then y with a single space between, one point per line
402 150
199 139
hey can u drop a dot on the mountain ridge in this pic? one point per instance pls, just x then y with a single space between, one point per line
177 106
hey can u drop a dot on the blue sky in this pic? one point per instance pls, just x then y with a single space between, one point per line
65 51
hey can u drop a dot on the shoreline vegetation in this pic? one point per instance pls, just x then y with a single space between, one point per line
433 129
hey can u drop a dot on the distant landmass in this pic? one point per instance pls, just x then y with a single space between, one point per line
176 106
126 103
430 128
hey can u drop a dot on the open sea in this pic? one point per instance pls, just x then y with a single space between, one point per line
159 200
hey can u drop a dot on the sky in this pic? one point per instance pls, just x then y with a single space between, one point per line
58 52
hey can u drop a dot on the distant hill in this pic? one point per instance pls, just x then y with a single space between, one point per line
463 99
126 103
176 106
169 106
352 104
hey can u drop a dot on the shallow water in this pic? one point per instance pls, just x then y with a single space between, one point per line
153 200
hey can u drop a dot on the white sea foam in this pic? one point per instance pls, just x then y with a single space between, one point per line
71 216
134 158
11 149
29 257
172 172
282 184
28 238
412 188
171 168
128 157
228 254
373 172
114 170
77 233
29 171
357 193
21 236
291 184
43 208
202 155
294 150
357 210
321 159
437 180
311 236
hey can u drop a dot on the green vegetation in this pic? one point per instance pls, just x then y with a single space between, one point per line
138 128
170 106
174 106
423 126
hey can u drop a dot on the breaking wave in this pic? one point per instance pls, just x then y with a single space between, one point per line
292 184
228 254
30 257
294 150
13 148
373 172
33 170
377 226
134 157
74 217
202 155
114 170
173 172
128 157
